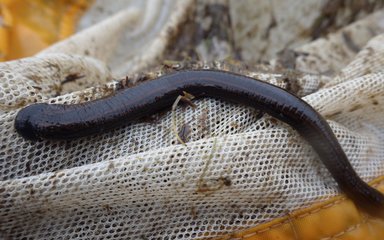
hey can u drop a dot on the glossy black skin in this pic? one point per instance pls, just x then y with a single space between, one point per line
54 121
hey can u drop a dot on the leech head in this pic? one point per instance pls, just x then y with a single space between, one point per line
24 121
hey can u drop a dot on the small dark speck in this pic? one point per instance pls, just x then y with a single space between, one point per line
226 181
349 42
333 114
355 108
71 78
37 88
107 207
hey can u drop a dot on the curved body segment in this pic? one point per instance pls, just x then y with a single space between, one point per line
54 121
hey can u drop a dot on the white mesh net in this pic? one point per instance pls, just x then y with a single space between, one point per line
235 171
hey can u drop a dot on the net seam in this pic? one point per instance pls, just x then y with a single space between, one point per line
299 216
348 230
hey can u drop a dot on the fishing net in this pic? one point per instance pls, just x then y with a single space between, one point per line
237 168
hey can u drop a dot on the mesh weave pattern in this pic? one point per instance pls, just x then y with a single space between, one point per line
237 169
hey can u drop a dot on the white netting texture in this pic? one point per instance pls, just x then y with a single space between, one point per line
236 170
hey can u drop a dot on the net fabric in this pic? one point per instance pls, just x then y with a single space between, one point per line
36 79
236 170
145 28
333 55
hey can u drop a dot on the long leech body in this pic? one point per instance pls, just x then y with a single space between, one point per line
57 121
